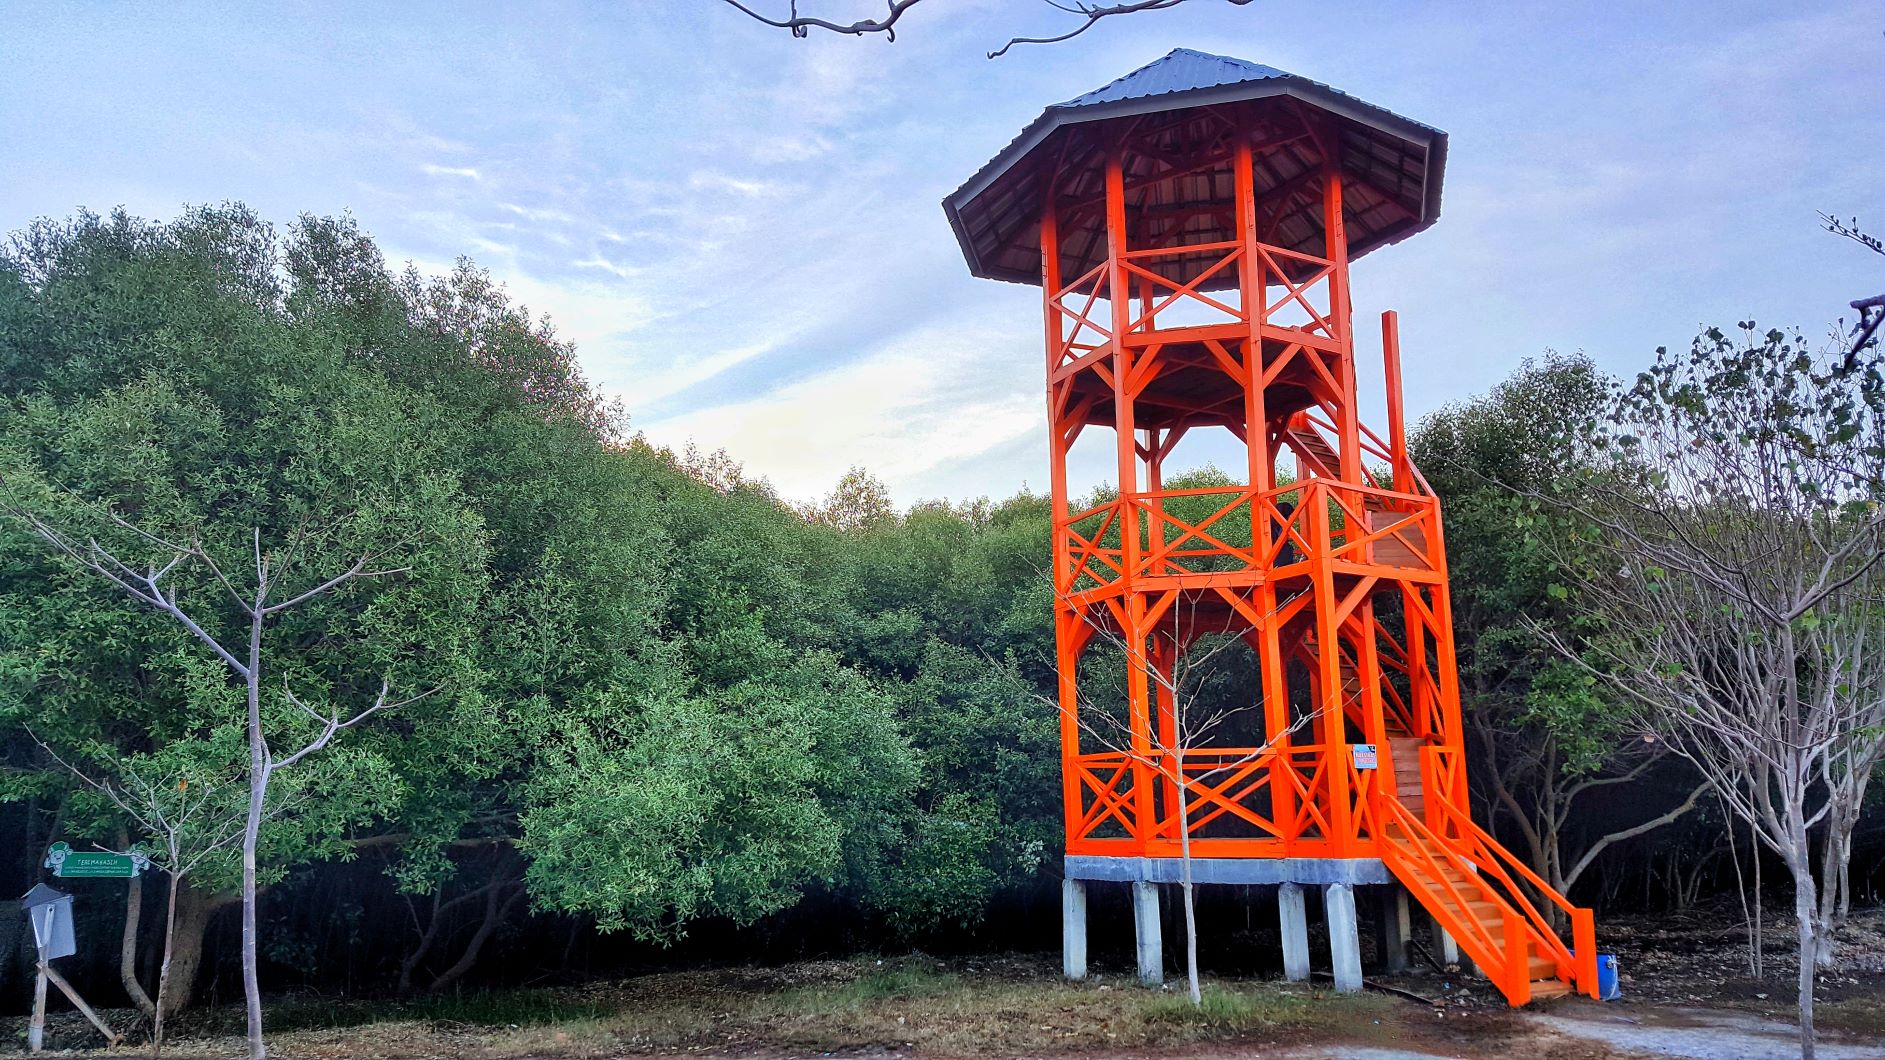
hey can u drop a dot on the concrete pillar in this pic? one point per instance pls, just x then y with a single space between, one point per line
1295 921
1073 928
1338 901
1145 923
1448 949
1393 927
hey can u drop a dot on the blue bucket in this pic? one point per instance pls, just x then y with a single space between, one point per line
1608 988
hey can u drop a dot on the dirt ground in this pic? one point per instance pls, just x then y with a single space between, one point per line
1687 994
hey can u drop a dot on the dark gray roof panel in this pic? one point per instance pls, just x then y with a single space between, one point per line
1183 70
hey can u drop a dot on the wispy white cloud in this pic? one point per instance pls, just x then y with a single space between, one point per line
790 147
710 181
542 215
932 399
431 169
597 261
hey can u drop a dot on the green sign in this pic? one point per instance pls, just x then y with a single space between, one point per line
93 864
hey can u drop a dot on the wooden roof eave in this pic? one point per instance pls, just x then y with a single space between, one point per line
1431 141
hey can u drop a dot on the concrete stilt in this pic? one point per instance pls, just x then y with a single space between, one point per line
1393 927
1145 922
1338 900
1295 922
1073 928
1448 949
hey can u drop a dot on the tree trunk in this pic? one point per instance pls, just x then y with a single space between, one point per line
494 916
251 833
410 963
176 982
163 972
1806 912
1185 889
1760 912
127 947
251 985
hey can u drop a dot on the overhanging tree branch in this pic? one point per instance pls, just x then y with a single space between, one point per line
1088 14
802 25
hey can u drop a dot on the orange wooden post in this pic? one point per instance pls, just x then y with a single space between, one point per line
1067 640
1368 671
1584 948
1260 461
1335 240
1162 673
1397 424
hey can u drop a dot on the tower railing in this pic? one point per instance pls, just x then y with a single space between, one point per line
1185 534
1079 334
1159 293
1298 300
1283 796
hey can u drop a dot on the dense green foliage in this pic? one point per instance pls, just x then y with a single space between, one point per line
661 699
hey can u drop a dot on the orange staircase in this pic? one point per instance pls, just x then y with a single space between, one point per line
1472 887
1314 455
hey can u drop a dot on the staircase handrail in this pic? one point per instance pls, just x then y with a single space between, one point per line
1377 446
1507 965
1484 839
1582 968
1415 829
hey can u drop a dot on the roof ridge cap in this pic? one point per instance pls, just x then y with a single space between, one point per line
1130 73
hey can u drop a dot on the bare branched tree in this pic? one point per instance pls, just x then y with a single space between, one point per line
258 601
1082 17
1736 571
1871 309
1529 782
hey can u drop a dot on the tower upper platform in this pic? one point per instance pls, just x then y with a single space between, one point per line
1391 166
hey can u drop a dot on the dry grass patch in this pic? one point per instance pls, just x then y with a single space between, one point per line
972 1007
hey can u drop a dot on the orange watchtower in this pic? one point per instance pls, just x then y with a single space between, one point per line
1191 226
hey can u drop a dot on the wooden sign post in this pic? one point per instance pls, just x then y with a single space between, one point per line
36 1030
51 914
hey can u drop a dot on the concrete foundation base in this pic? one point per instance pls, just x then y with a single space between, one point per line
1338 903
1394 926
1448 949
1073 928
1260 871
1147 932
1294 917
1338 879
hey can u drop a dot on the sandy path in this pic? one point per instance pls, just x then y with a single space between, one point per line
1704 1034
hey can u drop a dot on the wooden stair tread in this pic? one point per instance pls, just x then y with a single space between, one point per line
1545 989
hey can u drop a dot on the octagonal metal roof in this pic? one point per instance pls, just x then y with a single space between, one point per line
1392 166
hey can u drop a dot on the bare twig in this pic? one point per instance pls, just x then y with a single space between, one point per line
801 25
332 723
1088 15
1091 14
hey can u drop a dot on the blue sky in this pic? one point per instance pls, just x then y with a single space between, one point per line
742 232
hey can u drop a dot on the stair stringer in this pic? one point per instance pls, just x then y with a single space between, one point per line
1514 946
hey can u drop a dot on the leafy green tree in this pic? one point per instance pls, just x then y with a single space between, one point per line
240 483
986 813
729 803
1550 736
